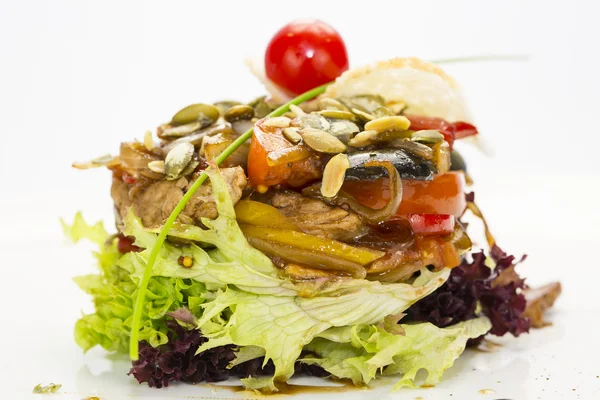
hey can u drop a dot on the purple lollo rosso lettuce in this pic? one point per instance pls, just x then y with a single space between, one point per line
497 291
177 361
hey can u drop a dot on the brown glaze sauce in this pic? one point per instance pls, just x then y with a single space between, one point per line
286 389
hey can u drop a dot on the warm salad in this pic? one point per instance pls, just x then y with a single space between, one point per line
331 243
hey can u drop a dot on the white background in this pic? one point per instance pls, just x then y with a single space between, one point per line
78 77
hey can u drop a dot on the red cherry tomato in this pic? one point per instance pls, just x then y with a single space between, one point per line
305 54
431 224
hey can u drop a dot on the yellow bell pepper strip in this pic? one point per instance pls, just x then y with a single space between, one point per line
302 241
260 214
313 259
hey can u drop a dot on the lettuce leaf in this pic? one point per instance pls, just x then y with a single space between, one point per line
113 292
283 325
360 351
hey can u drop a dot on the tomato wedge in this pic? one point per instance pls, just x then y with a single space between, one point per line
431 224
263 172
445 194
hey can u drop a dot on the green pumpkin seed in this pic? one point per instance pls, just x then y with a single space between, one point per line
181 130
292 135
203 113
191 167
363 139
337 114
157 166
390 123
196 138
239 112
429 136
327 103
364 102
261 108
322 141
343 129
225 105
383 112
177 159
312 120
334 174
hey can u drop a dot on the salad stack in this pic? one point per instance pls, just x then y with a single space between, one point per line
331 243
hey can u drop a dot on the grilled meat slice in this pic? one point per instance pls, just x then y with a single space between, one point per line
155 202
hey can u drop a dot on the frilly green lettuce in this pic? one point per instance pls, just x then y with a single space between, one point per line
360 351
113 293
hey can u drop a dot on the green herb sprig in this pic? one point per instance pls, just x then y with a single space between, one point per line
143 287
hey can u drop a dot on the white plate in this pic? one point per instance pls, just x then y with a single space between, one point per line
81 76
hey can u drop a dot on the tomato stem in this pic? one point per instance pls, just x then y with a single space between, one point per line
143 286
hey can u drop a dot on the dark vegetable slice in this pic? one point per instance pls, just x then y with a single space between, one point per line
408 165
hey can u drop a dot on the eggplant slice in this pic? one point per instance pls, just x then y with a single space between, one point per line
409 166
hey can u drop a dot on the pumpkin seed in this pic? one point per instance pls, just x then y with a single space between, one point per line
148 141
191 167
442 160
314 121
363 116
334 174
383 112
181 130
106 160
277 122
157 166
415 148
337 114
364 102
429 136
363 139
292 135
203 113
225 105
177 159
261 108
343 129
322 141
239 112
296 110
393 123
196 138
396 106
103 160
327 103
